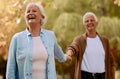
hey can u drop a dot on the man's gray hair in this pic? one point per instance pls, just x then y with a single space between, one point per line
41 11
89 13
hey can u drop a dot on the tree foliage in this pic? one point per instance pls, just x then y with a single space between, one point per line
67 26
65 19
110 27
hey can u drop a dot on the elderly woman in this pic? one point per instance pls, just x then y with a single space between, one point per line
32 51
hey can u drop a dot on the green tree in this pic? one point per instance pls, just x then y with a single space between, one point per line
66 27
110 27
65 18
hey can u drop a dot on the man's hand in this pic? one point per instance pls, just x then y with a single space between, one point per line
69 58
69 54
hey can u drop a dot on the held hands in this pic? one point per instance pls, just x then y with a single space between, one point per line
69 58
69 54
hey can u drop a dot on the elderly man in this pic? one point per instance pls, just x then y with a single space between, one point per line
93 57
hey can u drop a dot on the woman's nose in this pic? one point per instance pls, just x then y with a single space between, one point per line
30 12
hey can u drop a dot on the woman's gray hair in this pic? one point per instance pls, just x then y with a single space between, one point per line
89 13
41 11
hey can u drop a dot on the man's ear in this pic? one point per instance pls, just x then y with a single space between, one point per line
96 23
84 24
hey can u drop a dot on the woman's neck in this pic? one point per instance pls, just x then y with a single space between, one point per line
34 30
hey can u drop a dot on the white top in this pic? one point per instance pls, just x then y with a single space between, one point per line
94 56
39 59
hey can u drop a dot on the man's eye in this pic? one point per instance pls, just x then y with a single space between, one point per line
86 21
28 11
92 20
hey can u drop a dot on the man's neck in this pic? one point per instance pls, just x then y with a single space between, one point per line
91 34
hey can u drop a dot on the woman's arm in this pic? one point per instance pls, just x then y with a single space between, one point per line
11 71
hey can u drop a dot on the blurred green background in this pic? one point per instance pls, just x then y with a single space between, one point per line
64 17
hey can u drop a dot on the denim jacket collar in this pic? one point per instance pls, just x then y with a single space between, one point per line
29 34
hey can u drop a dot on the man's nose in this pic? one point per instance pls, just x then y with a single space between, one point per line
89 21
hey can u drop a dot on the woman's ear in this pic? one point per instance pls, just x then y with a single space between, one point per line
43 16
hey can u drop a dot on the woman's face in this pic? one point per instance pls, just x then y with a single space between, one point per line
33 15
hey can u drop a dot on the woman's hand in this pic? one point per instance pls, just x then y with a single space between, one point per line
69 58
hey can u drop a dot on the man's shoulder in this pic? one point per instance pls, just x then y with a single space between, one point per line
80 36
103 37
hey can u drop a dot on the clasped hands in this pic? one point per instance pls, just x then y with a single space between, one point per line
69 54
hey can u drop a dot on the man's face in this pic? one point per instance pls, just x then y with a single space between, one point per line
90 23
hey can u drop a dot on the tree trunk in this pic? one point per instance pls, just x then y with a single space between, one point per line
103 9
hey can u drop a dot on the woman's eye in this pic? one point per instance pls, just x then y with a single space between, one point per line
31 11
28 11
34 11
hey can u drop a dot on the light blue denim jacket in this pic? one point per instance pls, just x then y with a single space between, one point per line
19 65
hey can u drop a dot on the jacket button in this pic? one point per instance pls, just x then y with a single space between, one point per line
27 74
30 73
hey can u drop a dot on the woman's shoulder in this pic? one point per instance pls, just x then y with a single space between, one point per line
48 31
18 34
